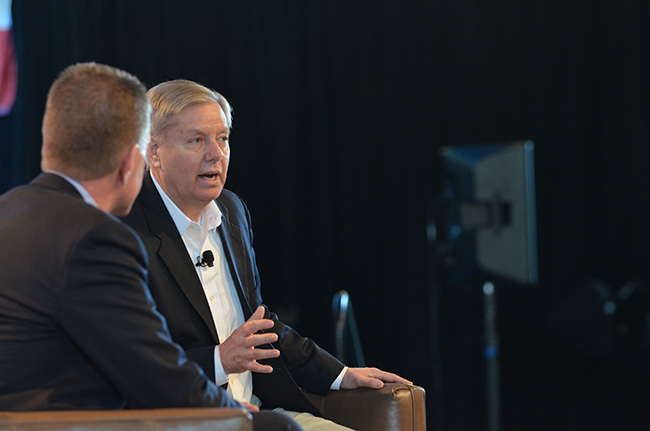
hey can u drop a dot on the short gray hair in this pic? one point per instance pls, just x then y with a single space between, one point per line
171 97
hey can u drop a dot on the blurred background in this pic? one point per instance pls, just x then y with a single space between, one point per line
340 112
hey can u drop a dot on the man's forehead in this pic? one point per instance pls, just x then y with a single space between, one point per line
204 121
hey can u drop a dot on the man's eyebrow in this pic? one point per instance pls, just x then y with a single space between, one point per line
193 129
200 130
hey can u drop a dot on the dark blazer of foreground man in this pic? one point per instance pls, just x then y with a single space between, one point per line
78 327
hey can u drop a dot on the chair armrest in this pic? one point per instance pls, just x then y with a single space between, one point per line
395 407
187 419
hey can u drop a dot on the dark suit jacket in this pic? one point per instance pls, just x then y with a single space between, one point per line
78 327
178 292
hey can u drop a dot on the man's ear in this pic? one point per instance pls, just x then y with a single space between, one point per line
153 154
127 163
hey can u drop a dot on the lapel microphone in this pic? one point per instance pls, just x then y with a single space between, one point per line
206 260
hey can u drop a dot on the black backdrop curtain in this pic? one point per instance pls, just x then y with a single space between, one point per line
340 109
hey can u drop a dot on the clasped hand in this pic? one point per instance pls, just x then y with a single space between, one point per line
238 352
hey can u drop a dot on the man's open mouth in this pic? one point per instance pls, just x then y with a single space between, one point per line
208 176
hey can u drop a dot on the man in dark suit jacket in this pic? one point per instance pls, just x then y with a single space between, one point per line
78 326
212 302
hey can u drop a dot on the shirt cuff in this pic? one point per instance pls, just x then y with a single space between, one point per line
220 376
336 385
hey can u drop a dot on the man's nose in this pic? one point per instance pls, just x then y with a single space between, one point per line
215 152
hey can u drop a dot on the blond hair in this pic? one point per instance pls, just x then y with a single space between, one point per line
93 112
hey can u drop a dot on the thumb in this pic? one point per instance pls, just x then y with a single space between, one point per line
375 383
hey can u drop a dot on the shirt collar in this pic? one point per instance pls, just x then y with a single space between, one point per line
210 216
87 197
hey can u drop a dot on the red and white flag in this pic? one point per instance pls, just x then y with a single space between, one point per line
8 63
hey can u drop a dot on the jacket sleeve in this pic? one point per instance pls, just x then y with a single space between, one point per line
204 357
108 311
312 367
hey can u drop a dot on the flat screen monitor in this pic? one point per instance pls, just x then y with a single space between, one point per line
490 215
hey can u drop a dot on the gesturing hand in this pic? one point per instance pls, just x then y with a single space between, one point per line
238 352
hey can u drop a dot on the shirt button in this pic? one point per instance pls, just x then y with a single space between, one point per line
212 298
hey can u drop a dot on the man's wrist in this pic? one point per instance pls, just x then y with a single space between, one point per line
336 385
220 376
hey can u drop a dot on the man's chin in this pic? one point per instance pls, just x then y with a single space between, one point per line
121 211
211 193
205 199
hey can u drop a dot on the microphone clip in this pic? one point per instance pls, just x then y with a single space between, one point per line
207 259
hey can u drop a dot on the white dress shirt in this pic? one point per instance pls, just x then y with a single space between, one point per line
218 285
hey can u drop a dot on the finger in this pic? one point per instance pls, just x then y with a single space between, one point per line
250 407
374 383
253 326
397 379
252 355
258 354
392 378
256 367
261 339
362 381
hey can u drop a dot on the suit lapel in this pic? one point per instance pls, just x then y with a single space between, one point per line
235 256
173 253
175 258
